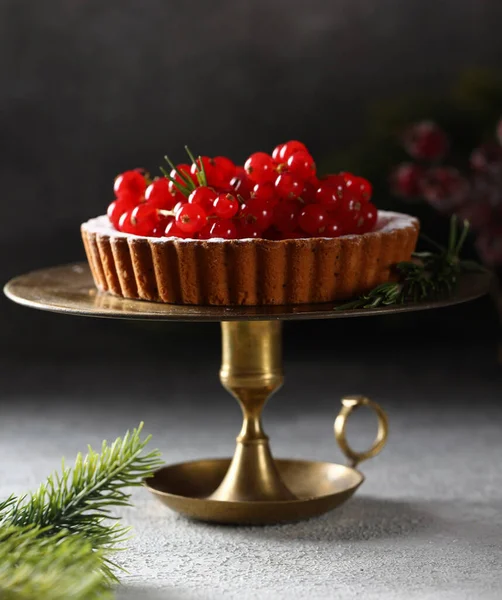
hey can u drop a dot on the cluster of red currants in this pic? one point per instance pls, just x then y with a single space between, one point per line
474 194
277 196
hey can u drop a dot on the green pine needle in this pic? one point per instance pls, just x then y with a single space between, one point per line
429 277
73 507
34 566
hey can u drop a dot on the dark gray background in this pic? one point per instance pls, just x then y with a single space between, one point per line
90 88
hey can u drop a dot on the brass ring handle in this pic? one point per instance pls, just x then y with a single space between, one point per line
350 404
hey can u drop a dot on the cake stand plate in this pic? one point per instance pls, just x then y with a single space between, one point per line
70 289
251 487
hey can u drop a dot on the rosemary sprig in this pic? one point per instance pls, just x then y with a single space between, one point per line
187 186
202 168
185 191
430 276
201 173
186 180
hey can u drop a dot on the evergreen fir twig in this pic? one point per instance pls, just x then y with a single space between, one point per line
68 518
34 566
429 276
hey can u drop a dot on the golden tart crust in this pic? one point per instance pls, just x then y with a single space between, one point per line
247 272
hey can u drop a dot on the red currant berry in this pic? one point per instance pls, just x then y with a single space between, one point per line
349 215
175 193
329 196
225 206
288 186
125 224
406 180
309 191
172 230
313 219
347 177
160 229
248 231
224 171
241 186
289 148
362 188
191 218
158 195
276 154
132 182
264 192
144 218
203 196
338 183
286 215
301 165
179 205
257 213
367 218
117 208
333 229
425 140
205 232
225 229
260 167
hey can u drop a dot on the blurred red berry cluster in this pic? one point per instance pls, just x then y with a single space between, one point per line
473 193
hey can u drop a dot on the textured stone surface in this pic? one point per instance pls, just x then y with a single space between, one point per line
426 524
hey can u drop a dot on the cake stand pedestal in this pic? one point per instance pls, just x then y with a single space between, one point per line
252 487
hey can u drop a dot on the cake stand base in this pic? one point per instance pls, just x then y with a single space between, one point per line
252 487
317 487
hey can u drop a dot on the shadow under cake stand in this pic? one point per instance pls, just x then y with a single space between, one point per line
252 487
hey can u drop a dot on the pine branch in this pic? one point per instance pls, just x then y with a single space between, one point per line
6 505
68 520
429 276
79 499
34 565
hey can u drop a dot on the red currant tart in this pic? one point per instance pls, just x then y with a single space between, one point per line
270 232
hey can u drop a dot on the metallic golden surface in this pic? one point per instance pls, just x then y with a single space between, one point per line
252 488
251 370
318 487
349 404
70 289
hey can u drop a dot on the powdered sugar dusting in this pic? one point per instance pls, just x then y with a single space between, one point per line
387 221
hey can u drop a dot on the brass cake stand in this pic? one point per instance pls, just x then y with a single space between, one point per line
252 487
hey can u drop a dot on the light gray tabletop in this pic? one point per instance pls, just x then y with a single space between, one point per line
427 522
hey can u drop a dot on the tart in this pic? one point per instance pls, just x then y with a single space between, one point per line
233 262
